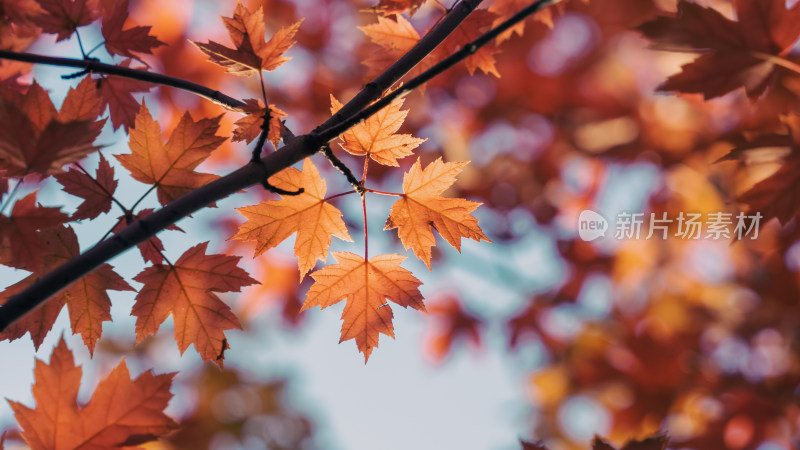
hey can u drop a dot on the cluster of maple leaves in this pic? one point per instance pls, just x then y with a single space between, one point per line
742 46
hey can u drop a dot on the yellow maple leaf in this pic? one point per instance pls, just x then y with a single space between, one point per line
422 207
375 137
366 284
308 214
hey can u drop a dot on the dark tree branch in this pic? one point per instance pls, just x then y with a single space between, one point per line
253 173
91 65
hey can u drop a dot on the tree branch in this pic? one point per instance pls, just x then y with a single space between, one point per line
127 72
294 151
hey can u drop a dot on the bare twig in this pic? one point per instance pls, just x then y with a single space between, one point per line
94 66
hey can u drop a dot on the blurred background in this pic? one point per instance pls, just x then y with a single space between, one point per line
538 335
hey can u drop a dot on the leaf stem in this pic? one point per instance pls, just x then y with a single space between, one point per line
375 191
338 195
80 43
366 229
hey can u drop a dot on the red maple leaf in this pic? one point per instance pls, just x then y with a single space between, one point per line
86 299
96 191
39 139
124 42
21 245
63 17
742 53
117 94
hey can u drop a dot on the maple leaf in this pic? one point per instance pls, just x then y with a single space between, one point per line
422 207
366 285
186 290
19 233
121 412
81 102
86 299
37 138
117 94
96 192
171 166
249 127
740 53
252 54
123 42
150 249
375 137
313 219
63 17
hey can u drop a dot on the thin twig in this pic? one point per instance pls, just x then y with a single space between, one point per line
126 72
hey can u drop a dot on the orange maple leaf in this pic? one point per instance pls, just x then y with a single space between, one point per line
38 139
252 54
122 411
170 166
366 285
734 54
422 207
375 137
86 299
308 214
124 42
249 127
186 290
